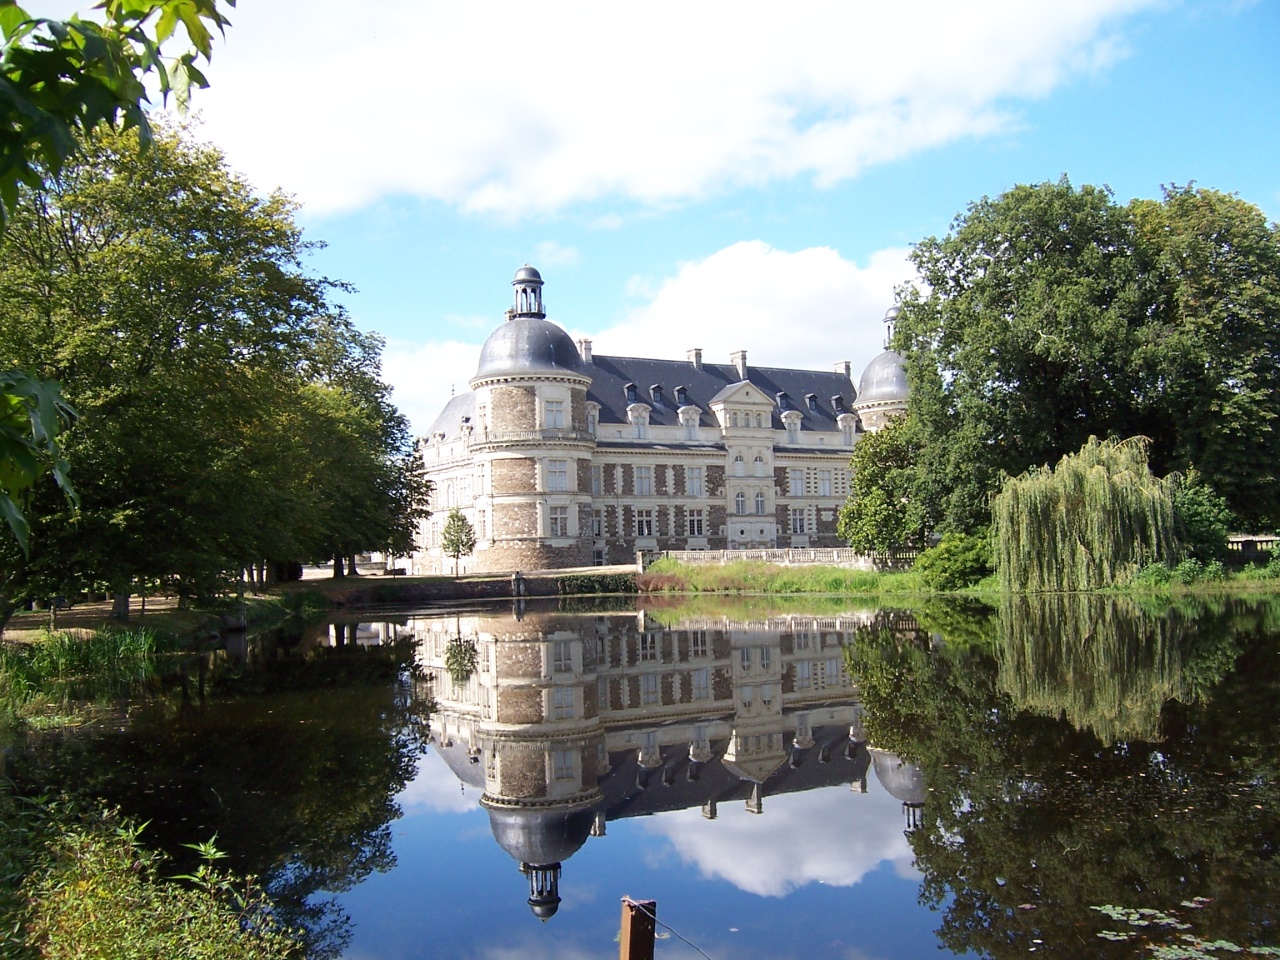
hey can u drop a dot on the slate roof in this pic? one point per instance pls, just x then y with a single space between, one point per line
610 376
449 422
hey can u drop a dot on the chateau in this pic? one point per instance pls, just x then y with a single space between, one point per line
560 457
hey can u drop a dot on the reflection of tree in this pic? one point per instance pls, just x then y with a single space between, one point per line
1101 662
297 780
1030 822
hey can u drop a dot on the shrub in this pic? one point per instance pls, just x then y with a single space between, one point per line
1188 571
1203 518
99 894
1215 570
1153 575
960 560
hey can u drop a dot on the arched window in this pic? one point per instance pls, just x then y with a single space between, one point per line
740 503
759 465
757 421
739 466
759 503
733 419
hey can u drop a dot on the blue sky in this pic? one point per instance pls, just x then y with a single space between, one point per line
720 175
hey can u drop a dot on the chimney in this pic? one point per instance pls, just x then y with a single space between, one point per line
845 368
695 357
739 359
584 348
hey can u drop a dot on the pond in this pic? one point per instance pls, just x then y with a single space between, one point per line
490 782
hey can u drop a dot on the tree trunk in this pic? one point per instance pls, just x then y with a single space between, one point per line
351 566
120 604
339 567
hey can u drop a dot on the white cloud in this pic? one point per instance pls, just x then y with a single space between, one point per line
794 843
424 376
809 309
499 108
436 789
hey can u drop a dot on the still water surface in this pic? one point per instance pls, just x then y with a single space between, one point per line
981 782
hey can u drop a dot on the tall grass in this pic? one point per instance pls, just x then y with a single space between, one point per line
77 665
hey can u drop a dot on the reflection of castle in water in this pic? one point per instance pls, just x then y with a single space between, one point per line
570 721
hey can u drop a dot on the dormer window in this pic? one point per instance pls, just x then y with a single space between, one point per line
632 395
837 403
812 400
784 402
682 396
791 422
655 394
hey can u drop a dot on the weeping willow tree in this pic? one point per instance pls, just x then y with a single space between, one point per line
1089 522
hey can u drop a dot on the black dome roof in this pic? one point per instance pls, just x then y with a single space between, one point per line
526 345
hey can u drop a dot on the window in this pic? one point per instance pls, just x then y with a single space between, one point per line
824 483
733 419
693 481
740 503
793 431
744 658
766 697
557 475
795 482
766 658
553 414
758 421
562 656
648 688
758 465
696 526
797 519
804 674
846 434
597 523
592 418
748 697
644 523
701 684
644 481
562 703
602 691
802 640
562 764
759 504
597 480
739 466
649 647
558 521
697 643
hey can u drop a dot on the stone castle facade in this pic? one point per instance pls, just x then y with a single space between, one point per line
559 457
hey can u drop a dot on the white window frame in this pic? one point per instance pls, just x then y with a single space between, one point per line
696 522
644 523
557 521
693 482
553 414
644 481
557 476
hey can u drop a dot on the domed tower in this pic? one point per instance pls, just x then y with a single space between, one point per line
530 440
903 781
882 391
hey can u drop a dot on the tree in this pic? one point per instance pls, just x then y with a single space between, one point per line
458 537
229 411
886 507
1092 521
62 79
1051 314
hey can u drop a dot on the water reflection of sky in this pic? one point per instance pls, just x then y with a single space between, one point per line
825 873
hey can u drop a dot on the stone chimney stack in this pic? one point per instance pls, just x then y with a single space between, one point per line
846 368
584 348
739 359
695 357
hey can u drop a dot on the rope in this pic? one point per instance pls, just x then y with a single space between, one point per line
652 916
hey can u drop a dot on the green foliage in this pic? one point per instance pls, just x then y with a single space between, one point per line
32 413
1091 522
959 560
1188 571
1153 575
1051 313
62 79
885 508
744 577
96 892
458 537
597 583
460 658
1204 519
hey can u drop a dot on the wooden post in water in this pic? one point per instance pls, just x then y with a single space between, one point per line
639 919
